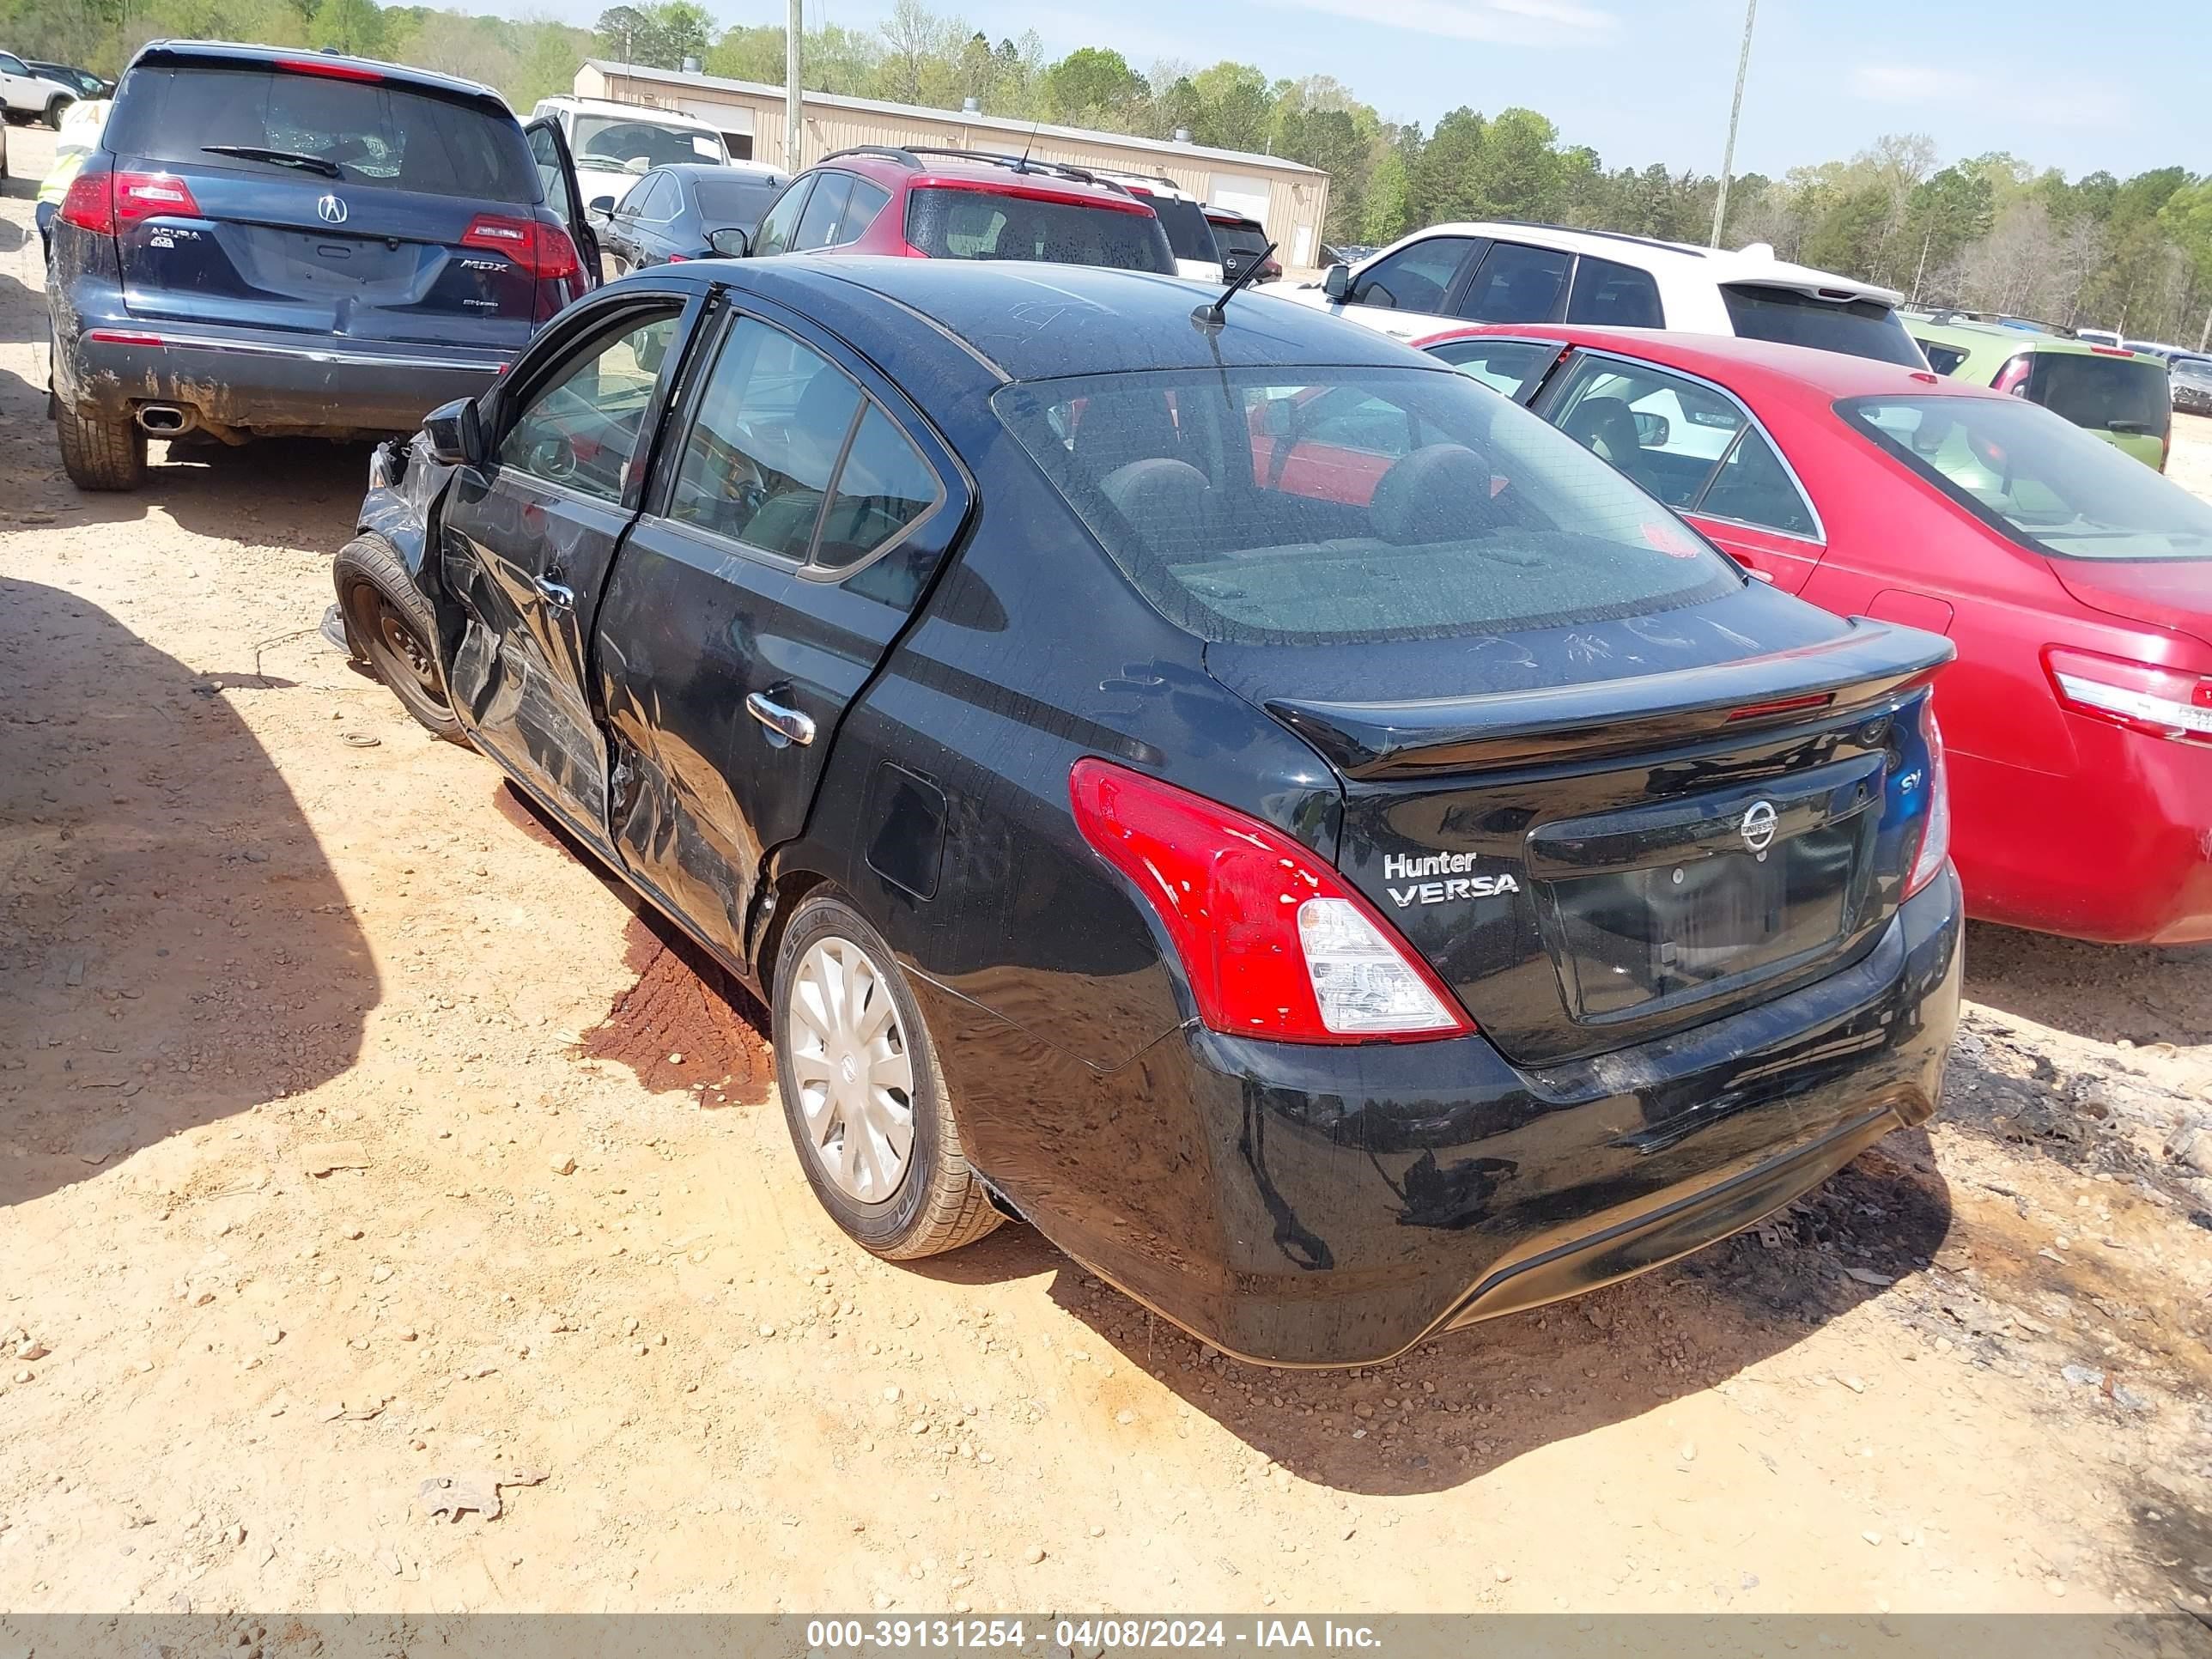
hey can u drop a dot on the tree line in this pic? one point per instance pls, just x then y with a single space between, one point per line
1991 233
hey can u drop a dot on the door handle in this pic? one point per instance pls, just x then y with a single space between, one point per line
559 595
785 726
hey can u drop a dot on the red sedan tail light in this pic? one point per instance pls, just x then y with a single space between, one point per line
2163 702
1273 941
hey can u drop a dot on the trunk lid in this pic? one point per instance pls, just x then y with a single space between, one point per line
1622 829
362 231
2169 593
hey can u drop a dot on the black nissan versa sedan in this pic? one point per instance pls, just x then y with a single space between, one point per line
1229 791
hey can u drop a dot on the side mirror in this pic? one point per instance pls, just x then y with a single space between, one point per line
598 216
1336 283
603 204
1652 431
732 243
1273 418
456 433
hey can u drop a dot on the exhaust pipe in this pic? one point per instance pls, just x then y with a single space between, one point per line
166 419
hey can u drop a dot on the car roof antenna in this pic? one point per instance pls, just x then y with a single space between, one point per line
1215 313
1028 144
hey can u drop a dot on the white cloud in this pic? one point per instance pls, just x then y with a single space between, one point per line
1911 84
1514 22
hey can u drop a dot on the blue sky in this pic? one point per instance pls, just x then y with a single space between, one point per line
2125 85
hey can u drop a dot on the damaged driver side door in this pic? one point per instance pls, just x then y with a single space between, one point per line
529 535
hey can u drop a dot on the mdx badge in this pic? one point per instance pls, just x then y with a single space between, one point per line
1758 826
1462 882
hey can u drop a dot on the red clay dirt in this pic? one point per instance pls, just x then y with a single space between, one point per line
680 1027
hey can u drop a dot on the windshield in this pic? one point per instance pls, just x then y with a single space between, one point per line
1310 506
2045 483
359 132
947 223
738 200
623 142
1858 328
2110 394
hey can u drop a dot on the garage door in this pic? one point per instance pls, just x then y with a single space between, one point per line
1240 193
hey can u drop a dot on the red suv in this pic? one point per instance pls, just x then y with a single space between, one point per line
962 204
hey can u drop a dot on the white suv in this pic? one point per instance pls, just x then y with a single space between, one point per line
614 145
1516 273
27 97
1181 215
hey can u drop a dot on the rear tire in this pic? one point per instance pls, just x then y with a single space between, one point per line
100 451
858 1073
392 628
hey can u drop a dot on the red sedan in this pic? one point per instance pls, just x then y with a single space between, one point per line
2076 583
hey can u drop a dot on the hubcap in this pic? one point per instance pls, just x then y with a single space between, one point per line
855 1075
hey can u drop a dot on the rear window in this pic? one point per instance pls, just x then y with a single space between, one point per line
2107 394
1188 234
735 201
1858 328
356 132
2048 485
977 224
1235 238
1942 358
1356 505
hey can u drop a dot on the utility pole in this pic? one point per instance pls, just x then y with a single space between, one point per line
794 122
1735 112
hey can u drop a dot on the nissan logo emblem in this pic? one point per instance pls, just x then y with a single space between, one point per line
1758 826
330 210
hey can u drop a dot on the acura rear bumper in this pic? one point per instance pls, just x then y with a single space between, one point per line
1299 1206
266 382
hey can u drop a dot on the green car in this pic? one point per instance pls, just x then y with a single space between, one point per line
2121 396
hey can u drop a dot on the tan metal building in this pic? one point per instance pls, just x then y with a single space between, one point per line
1289 198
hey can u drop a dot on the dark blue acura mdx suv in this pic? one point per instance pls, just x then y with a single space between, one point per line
273 241
1221 786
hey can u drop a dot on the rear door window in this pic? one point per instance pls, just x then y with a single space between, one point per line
1415 278
1943 359
772 419
1516 284
316 126
1609 294
1858 328
1753 487
884 490
1666 432
949 223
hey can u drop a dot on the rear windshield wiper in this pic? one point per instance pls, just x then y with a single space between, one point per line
282 158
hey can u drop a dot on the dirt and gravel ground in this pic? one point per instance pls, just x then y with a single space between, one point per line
354 1134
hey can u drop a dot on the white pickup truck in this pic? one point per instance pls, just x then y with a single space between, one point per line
28 97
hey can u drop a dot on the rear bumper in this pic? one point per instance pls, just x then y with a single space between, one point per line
266 382
1297 1205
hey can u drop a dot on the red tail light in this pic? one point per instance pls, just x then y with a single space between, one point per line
2162 703
90 204
543 250
106 203
1273 941
1935 820
152 195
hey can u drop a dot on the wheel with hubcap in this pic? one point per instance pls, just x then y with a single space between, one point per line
862 1091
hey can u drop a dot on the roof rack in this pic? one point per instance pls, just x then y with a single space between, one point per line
1608 235
911 156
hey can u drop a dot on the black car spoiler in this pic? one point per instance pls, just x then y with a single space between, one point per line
1874 663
